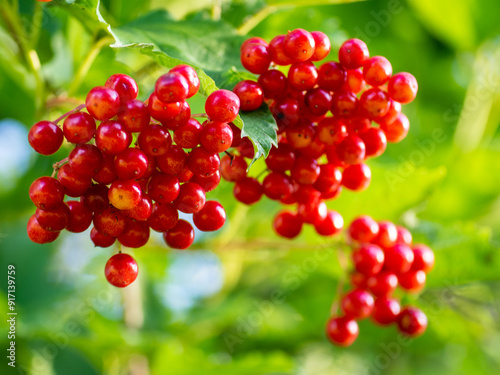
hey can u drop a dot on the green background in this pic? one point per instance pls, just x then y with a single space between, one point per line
243 301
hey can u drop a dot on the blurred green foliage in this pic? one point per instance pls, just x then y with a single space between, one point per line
244 301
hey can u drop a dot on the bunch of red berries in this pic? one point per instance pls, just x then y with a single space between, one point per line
331 119
384 257
126 191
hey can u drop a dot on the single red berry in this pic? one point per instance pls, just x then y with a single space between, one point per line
287 224
181 236
277 51
255 58
163 188
318 101
173 161
392 113
248 190
143 210
382 284
412 281
45 137
273 83
102 103
191 198
281 158
124 85
344 104
75 185
188 135
368 259
163 217
203 162
403 87
397 130
306 193
351 150
354 81
207 183
412 322
171 87
305 170
374 103
353 53
404 236
246 148
277 185
85 160
302 76
96 198
130 164
79 128
375 142
357 177
313 213
134 116
211 217
110 222
302 135
185 175
387 235
299 45
124 194
222 106
385 310
111 138
331 76
286 111
358 280
331 225
377 70
121 270
331 131
358 304
363 229
80 217
342 331
330 177
46 193
216 137
101 240
233 168
423 258
53 220
135 235
250 94
38 234
322 46
161 111
398 259
191 76
253 40
154 140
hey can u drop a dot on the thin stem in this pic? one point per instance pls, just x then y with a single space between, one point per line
77 109
87 63
57 166
216 10
204 115
36 24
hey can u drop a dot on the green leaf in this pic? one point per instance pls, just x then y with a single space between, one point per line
85 11
285 3
260 127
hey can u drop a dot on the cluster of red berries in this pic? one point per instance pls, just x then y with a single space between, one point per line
126 191
325 118
384 257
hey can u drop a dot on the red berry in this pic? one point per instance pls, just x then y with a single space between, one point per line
374 103
353 53
53 220
135 235
101 240
74 183
253 40
124 194
342 331
375 142
233 168
363 229
344 104
190 75
423 258
286 111
318 101
273 83
412 322
46 193
222 106
331 131
154 140
357 177
277 51
357 304
302 135
313 213
331 76
277 185
322 46
203 162
163 217
171 87
331 225
96 198
403 87
39 235
255 58
111 138
281 158
330 177
173 161
85 160
351 150
188 135
287 224
211 217
404 236
181 236
248 190
207 183
377 70
134 116
302 76
121 270
299 45
368 259
79 128
385 310
387 235
102 103
143 210
163 188
124 85
397 130
250 94
80 217
412 281
191 198
398 259
110 222
161 111
305 170
354 81
382 284
45 137
130 164
216 137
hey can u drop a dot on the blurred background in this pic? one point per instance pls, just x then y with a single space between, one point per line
242 300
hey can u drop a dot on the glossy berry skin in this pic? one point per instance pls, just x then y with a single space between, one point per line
102 103
191 198
322 46
305 170
172 87
353 53
155 140
46 193
211 217
397 130
161 111
111 138
351 150
286 111
301 135
135 235
331 76
216 137
173 161
255 58
344 104
382 284
222 106
96 198
79 128
375 142
357 304
368 259
45 137
38 234
80 217
403 87
124 194
374 103
188 135
363 229
277 185
85 160
248 190
250 94
207 183
253 40
385 311
277 51
190 75
357 177
124 85
412 322
412 281
377 70
387 235
331 131
163 188
181 236
233 168
53 220
302 76
354 81
203 162
299 45
313 213
398 259
273 83
287 224
331 225
404 236
330 177
163 217
110 222
130 164
142 211
342 331
281 158
423 258
318 101
134 116
121 270
75 185
101 240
